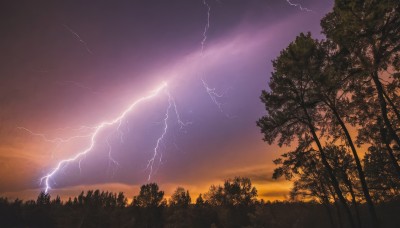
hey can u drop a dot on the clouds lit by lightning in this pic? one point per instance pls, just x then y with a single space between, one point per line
298 5
76 35
94 136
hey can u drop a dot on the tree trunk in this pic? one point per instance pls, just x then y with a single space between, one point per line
389 148
339 215
360 171
353 198
326 203
329 169
396 111
384 111
392 158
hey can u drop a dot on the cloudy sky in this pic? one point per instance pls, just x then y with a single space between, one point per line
68 66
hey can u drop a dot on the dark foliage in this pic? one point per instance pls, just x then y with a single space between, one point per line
328 97
231 205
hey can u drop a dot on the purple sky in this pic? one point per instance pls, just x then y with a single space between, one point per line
73 63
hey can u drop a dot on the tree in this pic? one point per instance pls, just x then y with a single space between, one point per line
332 86
41 214
344 168
180 198
56 201
233 201
235 192
304 166
149 205
381 175
368 32
43 199
292 103
311 180
200 201
121 200
149 196
178 213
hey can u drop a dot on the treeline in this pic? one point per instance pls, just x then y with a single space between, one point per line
234 204
329 98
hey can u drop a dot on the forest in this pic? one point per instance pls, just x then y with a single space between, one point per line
334 103
232 204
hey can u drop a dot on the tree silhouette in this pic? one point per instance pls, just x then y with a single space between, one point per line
332 85
149 196
292 103
368 32
178 213
121 200
149 206
311 181
200 201
43 199
304 167
180 198
381 175
235 192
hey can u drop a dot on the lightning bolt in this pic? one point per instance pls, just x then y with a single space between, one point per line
97 129
156 151
160 139
110 158
206 27
181 123
57 141
298 5
214 95
81 128
76 35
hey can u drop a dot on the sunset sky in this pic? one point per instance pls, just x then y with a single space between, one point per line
68 64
